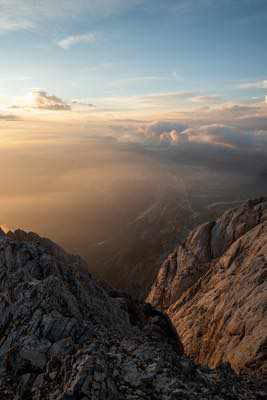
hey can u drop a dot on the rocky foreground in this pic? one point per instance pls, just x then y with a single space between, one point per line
214 288
63 335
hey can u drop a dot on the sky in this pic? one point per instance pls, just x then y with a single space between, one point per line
88 50
115 68
92 90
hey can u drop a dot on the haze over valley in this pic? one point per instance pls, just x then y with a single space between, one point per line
124 205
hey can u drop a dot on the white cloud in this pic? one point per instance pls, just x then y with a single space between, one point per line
260 84
14 24
73 40
159 132
157 128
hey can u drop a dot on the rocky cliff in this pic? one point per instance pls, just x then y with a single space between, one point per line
213 287
64 335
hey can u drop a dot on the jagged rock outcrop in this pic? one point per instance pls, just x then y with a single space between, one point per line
213 287
63 335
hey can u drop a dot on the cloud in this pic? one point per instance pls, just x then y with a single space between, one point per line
153 133
253 122
181 136
236 110
151 102
34 14
14 24
182 99
161 102
70 41
221 136
40 99
164 126
9 117
212 98
227 136
83 103
164 132
217 135
260 84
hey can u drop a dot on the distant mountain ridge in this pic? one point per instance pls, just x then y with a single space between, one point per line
66 336
213 287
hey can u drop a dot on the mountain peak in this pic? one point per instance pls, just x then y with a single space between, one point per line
213 287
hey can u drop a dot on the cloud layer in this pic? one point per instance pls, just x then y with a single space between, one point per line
221 136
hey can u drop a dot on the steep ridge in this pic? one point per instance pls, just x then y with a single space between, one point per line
213 287
64 335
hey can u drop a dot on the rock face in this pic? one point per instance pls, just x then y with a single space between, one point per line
214 289
64 335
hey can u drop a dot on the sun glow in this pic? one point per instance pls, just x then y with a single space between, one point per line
5 228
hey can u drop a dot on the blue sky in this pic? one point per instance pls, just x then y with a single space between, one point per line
86 49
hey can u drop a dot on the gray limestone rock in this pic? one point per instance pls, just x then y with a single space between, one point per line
64 335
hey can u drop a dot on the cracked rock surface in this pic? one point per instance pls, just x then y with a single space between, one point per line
64 335
213 287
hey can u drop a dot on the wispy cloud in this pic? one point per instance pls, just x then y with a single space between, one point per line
212 98
14 24
9 117
260 84
155 102
82 103
73 40
33 14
